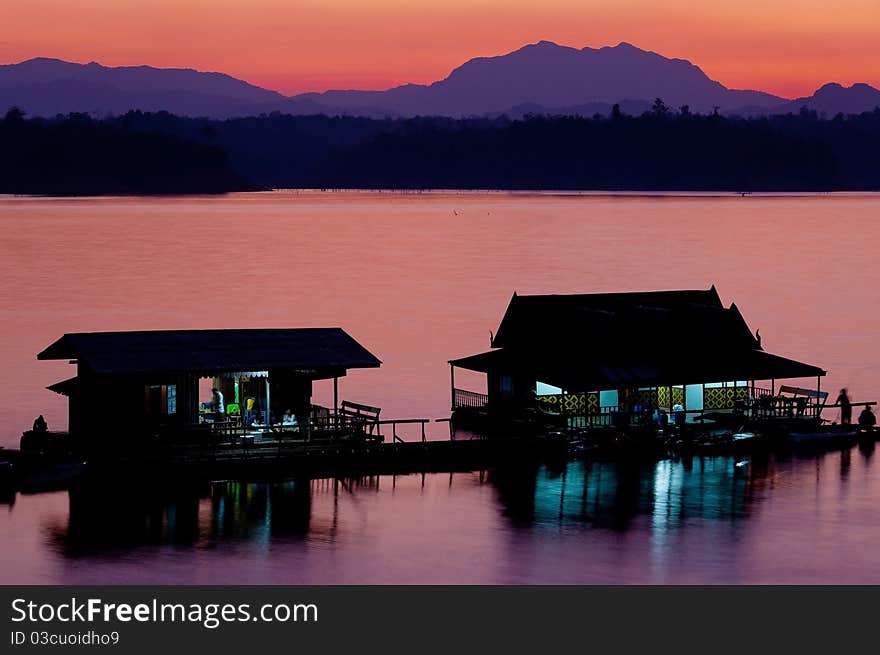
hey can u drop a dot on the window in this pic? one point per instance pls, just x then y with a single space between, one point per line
505 384
171 399
544 389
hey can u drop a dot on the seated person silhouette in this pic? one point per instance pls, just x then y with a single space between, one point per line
40 424
867 419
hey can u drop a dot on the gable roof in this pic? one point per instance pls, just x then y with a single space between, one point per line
610 340
624 321
577 373
209 351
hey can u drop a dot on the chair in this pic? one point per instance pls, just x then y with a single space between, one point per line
363 418
233 414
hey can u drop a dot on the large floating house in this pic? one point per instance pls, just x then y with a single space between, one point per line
129 383
606 356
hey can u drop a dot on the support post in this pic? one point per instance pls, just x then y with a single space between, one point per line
268 401
818 391
772 396
562 409
336 401
452 386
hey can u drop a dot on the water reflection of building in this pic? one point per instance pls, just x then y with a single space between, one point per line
259 514
661 499
613 494
184 517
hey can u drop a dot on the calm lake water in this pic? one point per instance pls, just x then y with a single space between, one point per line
420 279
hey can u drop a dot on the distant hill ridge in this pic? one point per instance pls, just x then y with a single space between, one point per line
542 77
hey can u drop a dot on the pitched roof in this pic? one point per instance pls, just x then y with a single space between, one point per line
609 340
585 374
647 321
209 351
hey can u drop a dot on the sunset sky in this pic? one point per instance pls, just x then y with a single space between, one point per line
787 47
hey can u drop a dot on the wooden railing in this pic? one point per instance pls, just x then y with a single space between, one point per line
603 418
471 399
403 421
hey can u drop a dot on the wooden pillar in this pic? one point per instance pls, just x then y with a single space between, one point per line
452 386
335 401
268 417
684 402
818 391
562 409
242 414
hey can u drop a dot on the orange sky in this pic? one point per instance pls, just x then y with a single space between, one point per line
788 47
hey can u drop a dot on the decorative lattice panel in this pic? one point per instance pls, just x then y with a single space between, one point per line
678 396
574 403
723 397
571 403
551 403
592 401
663 396
645 397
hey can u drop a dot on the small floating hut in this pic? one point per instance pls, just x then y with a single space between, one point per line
131 384
605 359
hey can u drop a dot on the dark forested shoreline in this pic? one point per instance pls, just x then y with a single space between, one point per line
662 149
75 156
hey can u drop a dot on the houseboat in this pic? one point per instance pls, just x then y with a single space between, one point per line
619 360
133 390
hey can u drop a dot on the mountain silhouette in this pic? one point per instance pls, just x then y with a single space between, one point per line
45 87
833 98
548 75
540 78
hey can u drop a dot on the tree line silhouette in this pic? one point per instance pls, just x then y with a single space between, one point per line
662 149
76 155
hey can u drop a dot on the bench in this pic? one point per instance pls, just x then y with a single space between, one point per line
364 417
798 391
802 398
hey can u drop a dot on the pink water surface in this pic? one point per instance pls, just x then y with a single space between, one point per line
419 279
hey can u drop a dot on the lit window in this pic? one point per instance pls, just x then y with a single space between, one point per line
171 397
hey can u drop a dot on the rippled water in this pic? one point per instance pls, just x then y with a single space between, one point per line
798 520
420 279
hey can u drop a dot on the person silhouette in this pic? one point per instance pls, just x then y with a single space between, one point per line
867 420
217 400
40 424
845 407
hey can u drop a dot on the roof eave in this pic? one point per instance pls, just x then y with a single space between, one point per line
59 349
